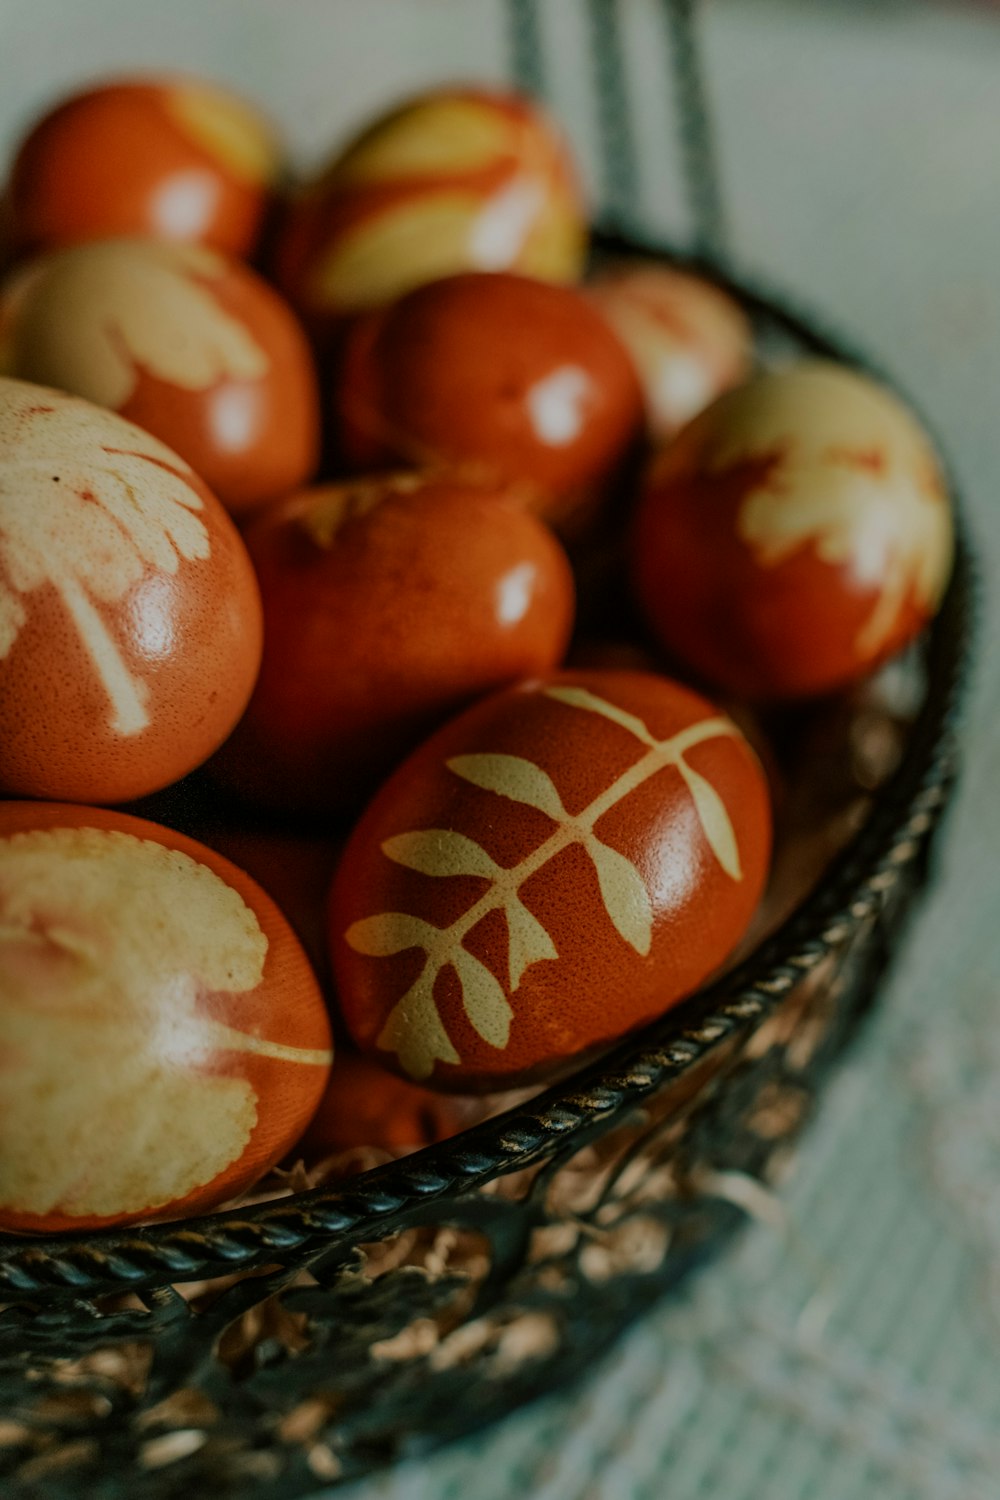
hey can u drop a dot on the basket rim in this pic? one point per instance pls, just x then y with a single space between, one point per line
566 1115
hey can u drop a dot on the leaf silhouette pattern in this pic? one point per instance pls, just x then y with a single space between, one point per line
876 507
414 1029
137 305
88 504
67 897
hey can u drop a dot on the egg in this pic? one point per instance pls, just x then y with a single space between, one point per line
366 1108
173 158
388 605
688 339
794 535
190 344
454 180
566 860
130 622
163 1037
295 867
506 376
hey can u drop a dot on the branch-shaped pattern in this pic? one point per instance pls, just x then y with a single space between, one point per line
414 1029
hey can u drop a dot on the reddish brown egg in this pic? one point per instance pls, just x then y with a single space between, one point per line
130 625
562 862
295 868
794 535
187 343
456 180
510 377
172 158
365 1107
688 339
162 1039
388 605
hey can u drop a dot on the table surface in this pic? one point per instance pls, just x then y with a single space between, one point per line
854 1350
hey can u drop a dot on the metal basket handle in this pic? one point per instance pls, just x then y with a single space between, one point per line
621 196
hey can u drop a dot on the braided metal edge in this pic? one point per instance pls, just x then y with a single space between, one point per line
565 1116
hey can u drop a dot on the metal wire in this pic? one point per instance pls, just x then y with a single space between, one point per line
620 184
527 53
699 164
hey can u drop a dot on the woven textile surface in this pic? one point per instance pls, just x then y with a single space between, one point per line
848 1345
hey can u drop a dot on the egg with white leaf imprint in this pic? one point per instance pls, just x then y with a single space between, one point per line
130 621
562 862
794 535
163 1040
187 343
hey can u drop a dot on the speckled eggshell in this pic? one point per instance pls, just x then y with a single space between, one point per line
163 1037
455 180
388 605
130 622
171 158
564 861
189 344
688 339
794 535
509 377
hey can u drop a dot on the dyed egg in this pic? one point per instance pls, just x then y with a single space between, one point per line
187 343
388 605
795 535
164 1040
564 861
510 377
457 180
688 339
171 158
365 1107
295 868
130 625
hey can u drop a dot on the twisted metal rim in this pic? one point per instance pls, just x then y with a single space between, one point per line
570 1114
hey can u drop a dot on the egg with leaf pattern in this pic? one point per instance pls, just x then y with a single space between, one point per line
170 158
794 535
187 343
564 861
163 1041
130 621
466 179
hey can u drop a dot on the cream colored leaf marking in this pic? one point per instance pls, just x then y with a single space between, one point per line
875 506
229 130
87 506
100 1022
99 315
414 1029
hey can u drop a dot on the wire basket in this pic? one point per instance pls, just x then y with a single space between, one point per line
268 1351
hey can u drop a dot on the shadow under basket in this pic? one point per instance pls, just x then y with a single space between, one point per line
267 1352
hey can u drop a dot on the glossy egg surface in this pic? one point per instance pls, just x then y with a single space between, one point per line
688 339
171 158
130 625
794 535
164 1041
456 180
562 862
187 343
511 377
388 605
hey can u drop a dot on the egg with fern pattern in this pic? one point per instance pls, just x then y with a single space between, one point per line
567 859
